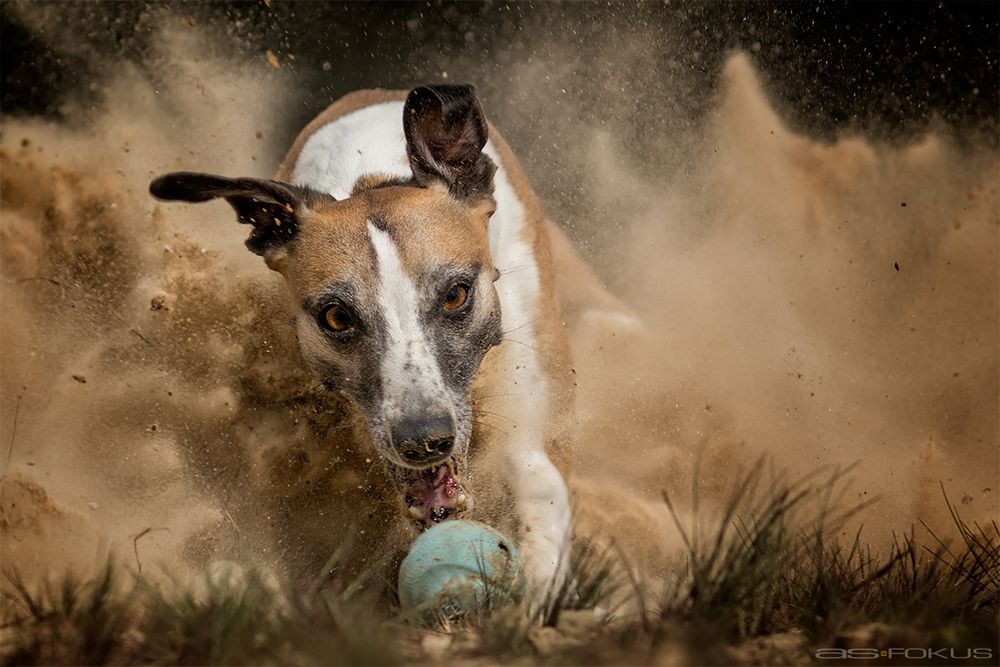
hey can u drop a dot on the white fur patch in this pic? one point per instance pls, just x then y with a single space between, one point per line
367 141
540 495
411 377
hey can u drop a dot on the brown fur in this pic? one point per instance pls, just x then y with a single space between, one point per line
551 342
423 220
430 222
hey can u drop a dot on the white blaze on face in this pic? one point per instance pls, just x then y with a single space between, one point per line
411 377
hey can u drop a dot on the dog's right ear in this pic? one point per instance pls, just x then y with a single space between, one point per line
445 134
269 206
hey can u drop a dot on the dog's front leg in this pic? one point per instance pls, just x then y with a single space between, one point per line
541 503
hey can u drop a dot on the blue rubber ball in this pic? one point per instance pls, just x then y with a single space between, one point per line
458 567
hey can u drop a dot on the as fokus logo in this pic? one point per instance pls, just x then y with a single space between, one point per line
908 653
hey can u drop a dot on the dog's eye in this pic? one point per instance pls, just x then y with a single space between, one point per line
338 319
456 296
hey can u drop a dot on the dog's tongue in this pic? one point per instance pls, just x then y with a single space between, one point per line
434 494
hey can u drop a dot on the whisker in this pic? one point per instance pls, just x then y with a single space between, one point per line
518 267
493 414
522 326
488 396
519 342
481 422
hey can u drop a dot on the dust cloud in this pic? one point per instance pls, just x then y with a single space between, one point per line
815 303
820 304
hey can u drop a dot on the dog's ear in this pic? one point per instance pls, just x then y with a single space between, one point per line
445 133
269 206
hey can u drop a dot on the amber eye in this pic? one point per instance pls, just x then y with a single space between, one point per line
455 297
338 319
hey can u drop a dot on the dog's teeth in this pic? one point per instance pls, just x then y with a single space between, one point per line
416 513
461 502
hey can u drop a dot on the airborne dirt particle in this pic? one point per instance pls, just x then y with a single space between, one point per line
714 258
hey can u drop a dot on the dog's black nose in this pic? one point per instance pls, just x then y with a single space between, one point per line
424 439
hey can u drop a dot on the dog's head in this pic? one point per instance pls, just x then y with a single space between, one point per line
394 287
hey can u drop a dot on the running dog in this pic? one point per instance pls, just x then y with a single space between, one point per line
419 264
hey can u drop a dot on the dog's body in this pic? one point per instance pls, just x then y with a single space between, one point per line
420 267
522 388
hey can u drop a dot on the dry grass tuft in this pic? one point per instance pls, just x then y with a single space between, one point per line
766 582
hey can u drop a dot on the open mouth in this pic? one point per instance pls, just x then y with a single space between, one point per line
434 494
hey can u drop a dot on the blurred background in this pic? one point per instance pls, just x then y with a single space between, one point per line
888 69
644 70
876 66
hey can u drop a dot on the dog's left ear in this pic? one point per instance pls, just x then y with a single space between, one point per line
445 134
268 206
